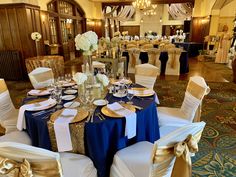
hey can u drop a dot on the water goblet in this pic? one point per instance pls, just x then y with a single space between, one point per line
130 96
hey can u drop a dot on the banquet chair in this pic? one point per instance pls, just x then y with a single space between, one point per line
153 57
133 59
41 77
146 74
173 63
8 113
33 161
191 107
168 156
146 46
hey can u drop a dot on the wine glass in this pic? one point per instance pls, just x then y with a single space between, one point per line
122 91
57 95
68 77
130 96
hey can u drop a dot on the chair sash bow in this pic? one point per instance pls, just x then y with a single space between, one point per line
7 166
182 152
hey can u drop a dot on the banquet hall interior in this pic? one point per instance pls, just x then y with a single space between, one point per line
119 88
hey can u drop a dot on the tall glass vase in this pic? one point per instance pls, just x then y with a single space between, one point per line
88 68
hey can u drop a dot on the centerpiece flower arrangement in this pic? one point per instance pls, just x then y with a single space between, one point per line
36 36
80 79
87 43
103 79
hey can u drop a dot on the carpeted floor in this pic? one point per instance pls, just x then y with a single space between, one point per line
217 148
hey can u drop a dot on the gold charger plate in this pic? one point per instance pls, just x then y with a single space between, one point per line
37 101
81 115
141 92
107 112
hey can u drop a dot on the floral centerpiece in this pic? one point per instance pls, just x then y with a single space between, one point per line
103 79
80 79
87 43
36 36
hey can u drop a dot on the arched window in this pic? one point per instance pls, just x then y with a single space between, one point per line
66 20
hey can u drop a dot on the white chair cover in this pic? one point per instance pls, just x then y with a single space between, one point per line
17 137
196 90
146 74
173 63
65 164
144 160
8 113
41 77
98 65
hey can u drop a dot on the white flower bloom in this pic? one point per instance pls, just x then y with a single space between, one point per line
80 78
103 79
94 47
92 37
81 42
36 36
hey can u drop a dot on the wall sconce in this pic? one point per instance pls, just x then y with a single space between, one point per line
43 18
160 19
141 21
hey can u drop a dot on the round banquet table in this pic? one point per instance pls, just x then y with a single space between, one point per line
103 138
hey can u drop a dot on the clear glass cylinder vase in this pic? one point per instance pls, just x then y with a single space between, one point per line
88 68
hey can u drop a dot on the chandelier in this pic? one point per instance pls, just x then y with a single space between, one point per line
142 4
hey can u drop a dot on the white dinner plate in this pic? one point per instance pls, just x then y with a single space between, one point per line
68 84
100 102
72 104
68 97
70 91
39 92
119 95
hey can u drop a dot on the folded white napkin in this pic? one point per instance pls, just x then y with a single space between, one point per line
148 91
38 92
30 107
62 130
131 120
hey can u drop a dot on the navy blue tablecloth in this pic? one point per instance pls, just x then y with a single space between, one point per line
103 138
191 47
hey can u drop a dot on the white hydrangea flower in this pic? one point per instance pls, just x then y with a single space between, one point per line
92 37
80 78
103 79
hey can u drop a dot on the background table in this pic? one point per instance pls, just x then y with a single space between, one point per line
103 138
191 47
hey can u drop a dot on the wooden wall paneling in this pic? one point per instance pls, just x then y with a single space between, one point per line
6 29
26 29
38 28
200 28
45 25
133 30
17 45
2 47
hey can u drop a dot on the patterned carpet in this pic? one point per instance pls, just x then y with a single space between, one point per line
217 148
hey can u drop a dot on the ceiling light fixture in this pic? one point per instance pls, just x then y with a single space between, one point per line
142 4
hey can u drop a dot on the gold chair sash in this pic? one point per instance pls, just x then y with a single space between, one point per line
12 168
133 60
196 90
145 71
183 165
3 86
41 77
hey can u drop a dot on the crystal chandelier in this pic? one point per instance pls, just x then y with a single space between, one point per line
142 4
